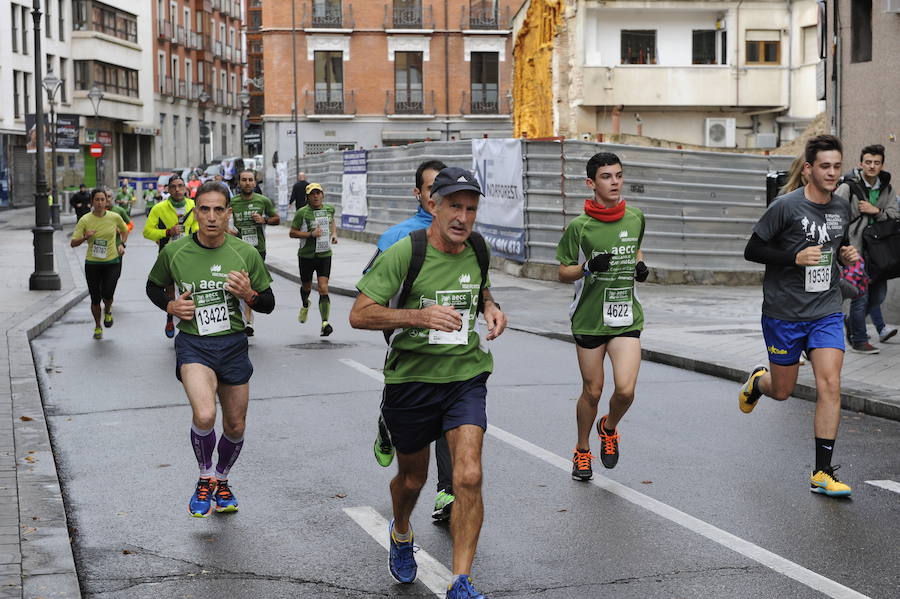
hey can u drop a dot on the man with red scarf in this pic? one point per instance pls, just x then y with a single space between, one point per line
600 253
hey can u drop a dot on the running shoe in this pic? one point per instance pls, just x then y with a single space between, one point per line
609 445
303 315
885 334
170 329
98 333
326 329
462 588
864 348
107 320
384 449
402 559
248 330
201 501
581 465
825 482
225 499
750 393
443 502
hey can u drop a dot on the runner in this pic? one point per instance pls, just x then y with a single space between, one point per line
600 252
314 223
213 272
123 214
800 238
103 262
125 196
384 450
169 220
252 211
439 385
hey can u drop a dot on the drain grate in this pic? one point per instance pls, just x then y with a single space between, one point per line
321 345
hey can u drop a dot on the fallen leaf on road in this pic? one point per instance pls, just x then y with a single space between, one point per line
25 418
563 510
30 459
121 513
126 552
646 482
28 530
164 465
340 495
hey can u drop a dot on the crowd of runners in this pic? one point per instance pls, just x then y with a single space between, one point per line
425 290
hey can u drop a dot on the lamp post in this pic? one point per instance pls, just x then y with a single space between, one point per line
95 96
245 102
43 277
204 98
51 85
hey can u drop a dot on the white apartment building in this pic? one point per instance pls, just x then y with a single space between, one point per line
720 74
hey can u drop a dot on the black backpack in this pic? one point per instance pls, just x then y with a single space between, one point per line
419 247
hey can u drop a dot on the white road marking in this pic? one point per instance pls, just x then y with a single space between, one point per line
890 485
726 539
431 572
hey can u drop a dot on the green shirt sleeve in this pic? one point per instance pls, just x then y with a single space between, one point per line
567 251
384 280
161 274
297 220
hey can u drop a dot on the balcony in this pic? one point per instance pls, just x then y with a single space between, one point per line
485 16
229 100
168 86
217 48
413 102
165 30
483 103
688 86
217 5
329 103
180 37
328 15
220 97
182 89
236 10
409 17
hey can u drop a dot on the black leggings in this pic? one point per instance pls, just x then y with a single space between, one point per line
102 279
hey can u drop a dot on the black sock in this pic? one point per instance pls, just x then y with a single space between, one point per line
324 306
304 296
824 449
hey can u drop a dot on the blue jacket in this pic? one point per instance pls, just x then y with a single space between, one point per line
420 220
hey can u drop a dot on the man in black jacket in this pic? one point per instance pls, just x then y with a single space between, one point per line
81 202
298 192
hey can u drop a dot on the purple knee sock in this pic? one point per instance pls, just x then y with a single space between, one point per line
203 443
229 450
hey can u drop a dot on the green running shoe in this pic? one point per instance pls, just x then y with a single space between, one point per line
107 320
98 333
384 449
304 314
443 502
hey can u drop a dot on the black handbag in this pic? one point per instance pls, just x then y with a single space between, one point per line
881 248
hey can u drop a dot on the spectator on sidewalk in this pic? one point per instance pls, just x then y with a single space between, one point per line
298 191
80 202
868 188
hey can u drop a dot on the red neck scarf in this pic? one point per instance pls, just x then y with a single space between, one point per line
606 215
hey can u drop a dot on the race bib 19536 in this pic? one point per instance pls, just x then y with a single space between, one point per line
818 277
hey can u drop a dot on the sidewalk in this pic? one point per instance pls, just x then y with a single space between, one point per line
708 329
35 552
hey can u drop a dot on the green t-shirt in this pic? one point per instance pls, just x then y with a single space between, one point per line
604 303
242 212
307 219
189 265
422 355
102 246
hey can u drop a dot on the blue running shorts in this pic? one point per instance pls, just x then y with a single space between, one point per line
785 339
226 355
418 413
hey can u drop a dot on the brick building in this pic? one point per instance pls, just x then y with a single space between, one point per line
380 72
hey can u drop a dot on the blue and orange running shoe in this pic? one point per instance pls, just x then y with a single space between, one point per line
201 500
225 499
170 329
402 560
462 588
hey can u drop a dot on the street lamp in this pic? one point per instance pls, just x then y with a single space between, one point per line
245 102
95 96
43 277
51 85
204 98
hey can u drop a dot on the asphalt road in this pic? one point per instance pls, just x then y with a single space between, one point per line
705 501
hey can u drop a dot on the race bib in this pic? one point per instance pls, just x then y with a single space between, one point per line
818 277
180 213
618 307
462 301
323 241
248 234
211 311
100 248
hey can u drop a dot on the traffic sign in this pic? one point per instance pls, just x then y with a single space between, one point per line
96 150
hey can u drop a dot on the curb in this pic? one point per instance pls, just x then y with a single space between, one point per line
48 564
858 399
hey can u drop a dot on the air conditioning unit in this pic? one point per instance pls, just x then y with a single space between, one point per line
719 133
766 140
892 6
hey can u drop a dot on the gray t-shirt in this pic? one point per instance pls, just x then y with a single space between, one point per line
792 223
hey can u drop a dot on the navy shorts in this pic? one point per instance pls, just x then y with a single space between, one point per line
595 341
320 266
418 413
785 339
226 355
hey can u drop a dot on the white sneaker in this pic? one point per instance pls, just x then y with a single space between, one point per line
886 333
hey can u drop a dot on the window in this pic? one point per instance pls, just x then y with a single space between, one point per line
48 21
483 14
24 23
810 40
96 16
763 46
187 19
61 23
224 139
17 113
408 93
14 20
485 83
49 66
861 30
108 77
329 69
64 77
326 13
703 46
175 137
26 96
255 20
408 14
638 46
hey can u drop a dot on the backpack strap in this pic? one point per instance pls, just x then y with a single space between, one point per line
419 240
484 263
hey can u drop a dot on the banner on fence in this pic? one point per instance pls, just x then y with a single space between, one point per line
501 212
354 208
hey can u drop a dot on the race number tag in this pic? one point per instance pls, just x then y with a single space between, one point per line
462 301
818 277
180 213
323 241
211 312
617 307
100 248
248 234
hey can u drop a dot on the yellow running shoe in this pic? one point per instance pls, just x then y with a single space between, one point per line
750 393
825 482
98 333
304 314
